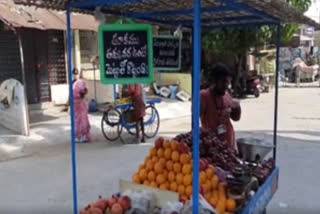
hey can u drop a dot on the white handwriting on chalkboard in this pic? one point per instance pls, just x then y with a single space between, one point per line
167 53
127 52
126 68
127 39
166 43
166 62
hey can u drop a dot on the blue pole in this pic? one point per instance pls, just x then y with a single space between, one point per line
73 145
196 68
114 93
275 129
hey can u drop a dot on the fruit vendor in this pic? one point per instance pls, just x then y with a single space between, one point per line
217 106
135 91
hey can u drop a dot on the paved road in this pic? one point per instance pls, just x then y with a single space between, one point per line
41 183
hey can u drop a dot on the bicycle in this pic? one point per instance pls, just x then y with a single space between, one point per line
113 121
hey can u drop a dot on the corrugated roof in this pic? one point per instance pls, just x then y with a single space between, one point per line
217 12
18 16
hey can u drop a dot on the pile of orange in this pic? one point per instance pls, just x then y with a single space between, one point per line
167 168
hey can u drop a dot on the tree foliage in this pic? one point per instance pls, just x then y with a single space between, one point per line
239 40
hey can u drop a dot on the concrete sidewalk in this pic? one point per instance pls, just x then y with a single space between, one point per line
52 128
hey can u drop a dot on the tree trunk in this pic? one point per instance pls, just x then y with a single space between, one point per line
237 85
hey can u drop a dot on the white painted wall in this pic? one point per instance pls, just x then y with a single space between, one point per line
15 116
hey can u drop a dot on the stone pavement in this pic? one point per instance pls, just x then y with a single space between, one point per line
52 128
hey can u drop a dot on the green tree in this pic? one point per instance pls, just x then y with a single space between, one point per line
237 42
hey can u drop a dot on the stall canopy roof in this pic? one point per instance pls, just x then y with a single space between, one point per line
18 16
215 13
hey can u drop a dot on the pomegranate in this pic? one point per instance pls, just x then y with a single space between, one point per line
95 210
125 202
112 200
85 210
101 203
116 209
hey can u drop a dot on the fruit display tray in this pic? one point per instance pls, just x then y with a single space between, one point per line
260 200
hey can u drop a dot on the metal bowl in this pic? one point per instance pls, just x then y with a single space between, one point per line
252 149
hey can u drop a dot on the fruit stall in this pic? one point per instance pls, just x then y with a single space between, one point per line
193 172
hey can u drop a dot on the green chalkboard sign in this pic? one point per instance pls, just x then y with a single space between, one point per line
126 53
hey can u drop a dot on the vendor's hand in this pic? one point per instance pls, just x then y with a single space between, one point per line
235 104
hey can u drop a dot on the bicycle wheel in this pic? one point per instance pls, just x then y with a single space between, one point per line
151 122
129 126
110 124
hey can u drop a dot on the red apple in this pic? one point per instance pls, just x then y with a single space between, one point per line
159 143
202 165
183 148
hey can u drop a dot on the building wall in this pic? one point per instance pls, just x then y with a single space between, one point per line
184 80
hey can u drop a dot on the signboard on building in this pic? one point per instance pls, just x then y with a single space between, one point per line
125 53
308 31
167 53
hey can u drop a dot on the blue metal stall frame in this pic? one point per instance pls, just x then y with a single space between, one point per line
256 18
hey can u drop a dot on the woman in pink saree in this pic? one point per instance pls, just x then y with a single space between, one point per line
82 125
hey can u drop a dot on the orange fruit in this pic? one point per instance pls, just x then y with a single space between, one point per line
142 166
146 183
167 183
231 205
177 167
213 202
153 184
171 176
146 159
174 186
163 161
181 189
185 158
158 168
166 144
143 175
202 177
210 166
187 180
175 156
187 169
174 145
220 207
160 179
183 198
160 152
167 153
169 165
215 195
222 190
188 191
208 184
155 159
215 182
153 151
210 172
151 176
207 196
136 178
205 187
149 165
179 178
162 186
165 174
